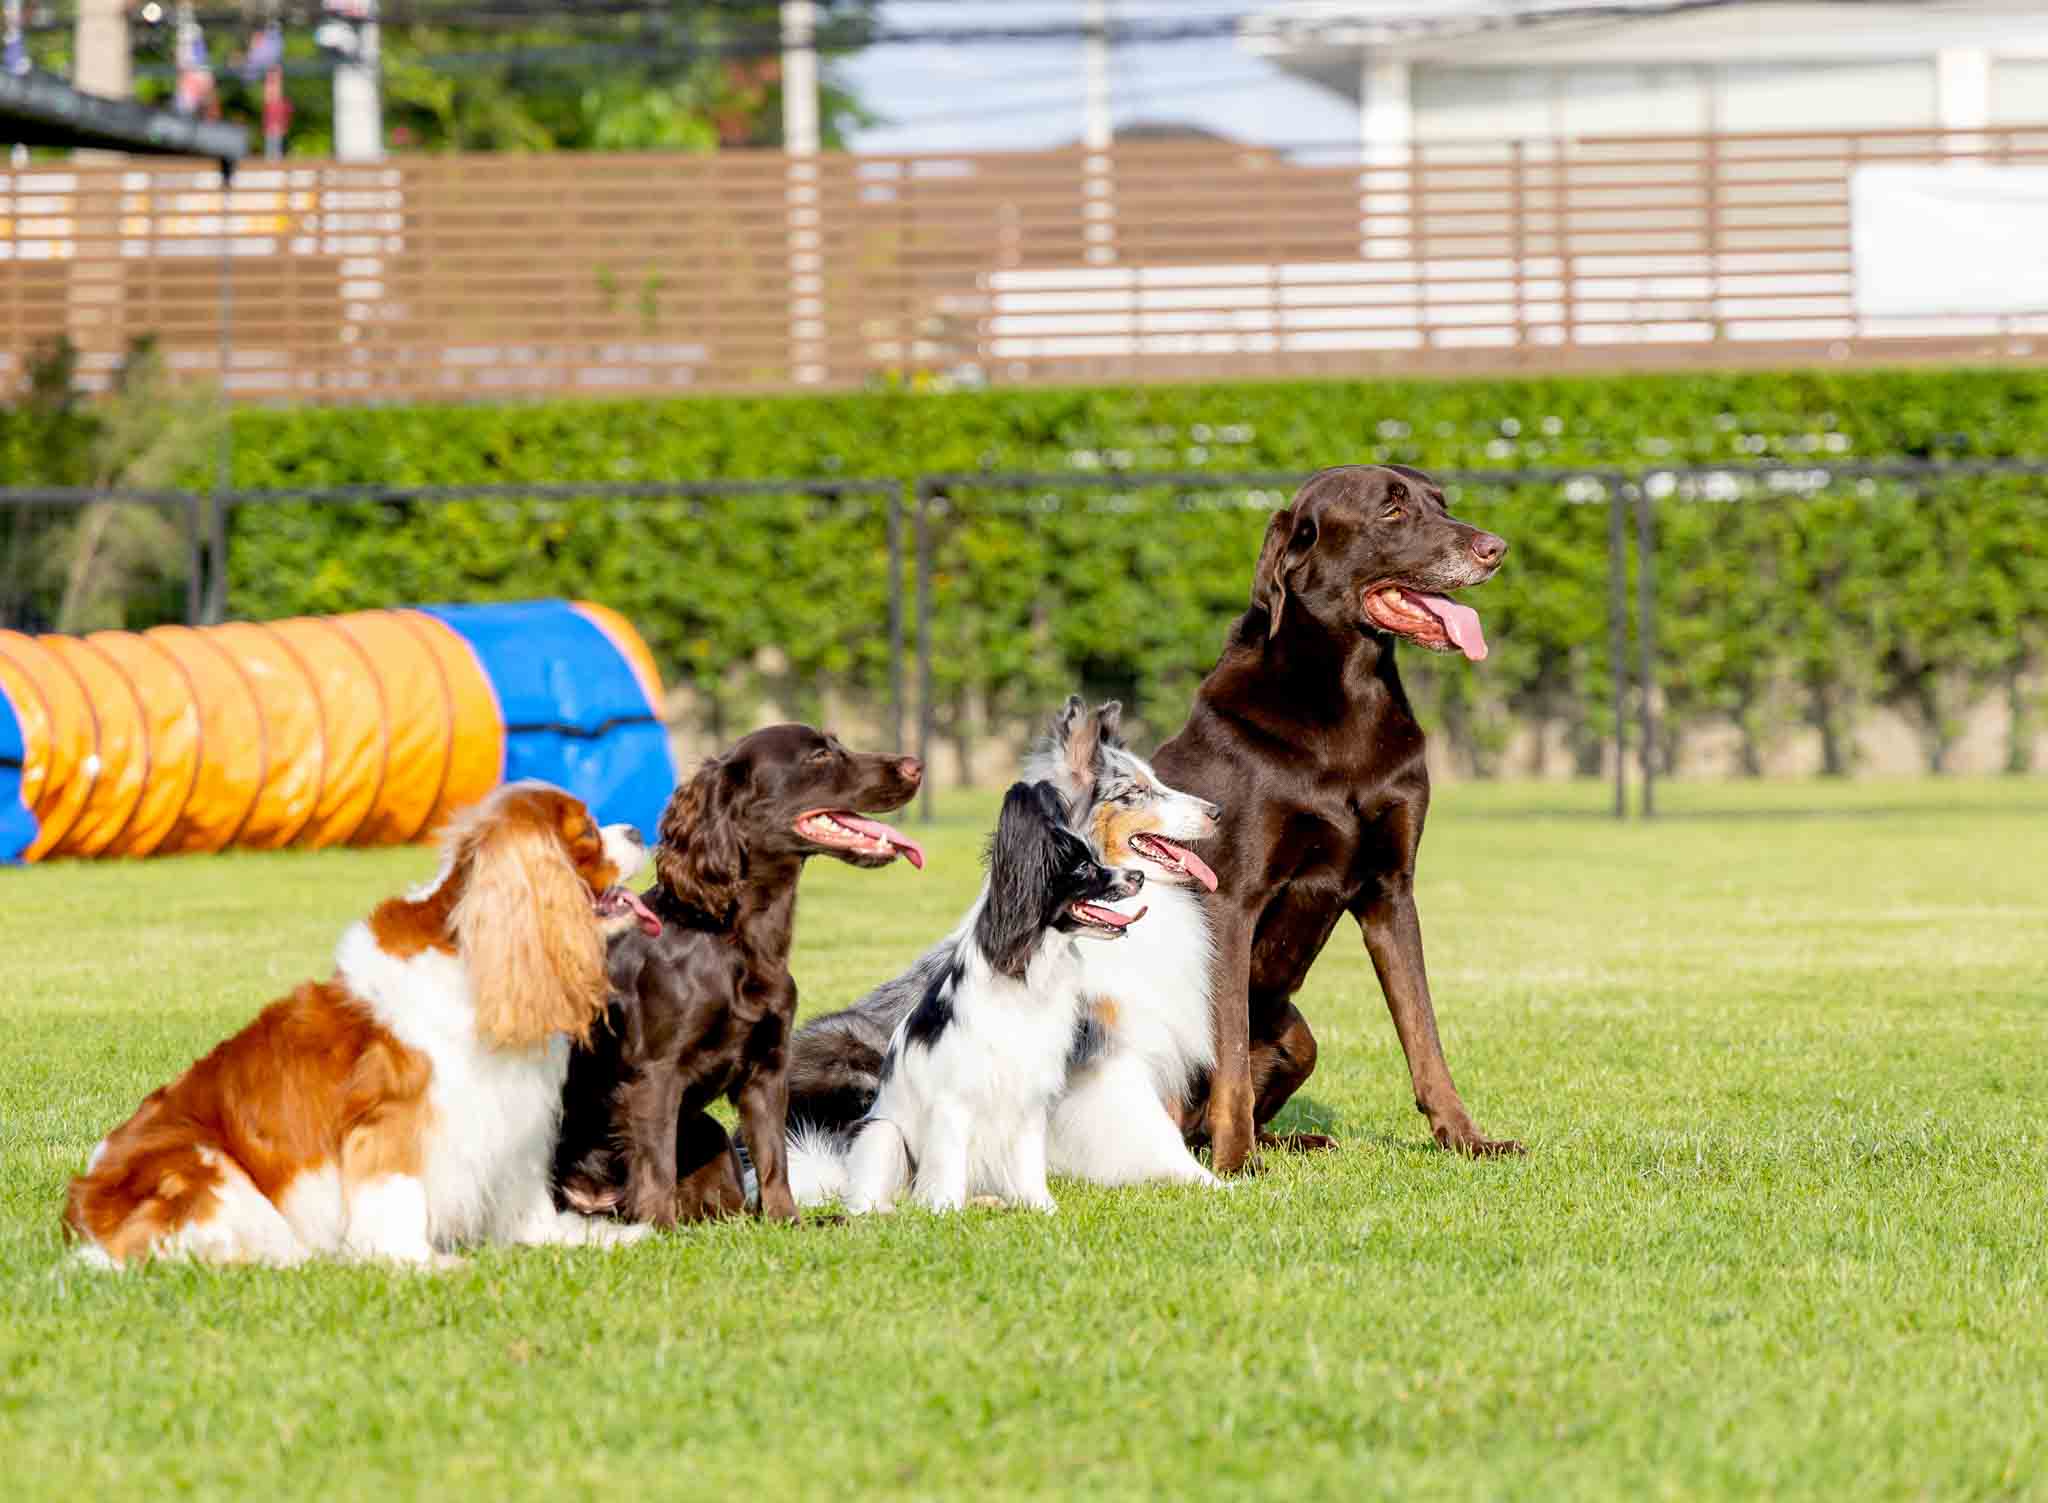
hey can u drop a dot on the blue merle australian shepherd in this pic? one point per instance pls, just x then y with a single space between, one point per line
1148 1032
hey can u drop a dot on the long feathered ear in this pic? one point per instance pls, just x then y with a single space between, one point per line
1022 864
700 858
1290 537
533 952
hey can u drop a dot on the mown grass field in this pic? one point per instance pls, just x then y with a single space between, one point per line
1783 1230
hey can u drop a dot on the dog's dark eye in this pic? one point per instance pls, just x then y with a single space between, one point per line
822 754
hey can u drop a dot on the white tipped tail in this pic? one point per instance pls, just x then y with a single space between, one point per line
817 1166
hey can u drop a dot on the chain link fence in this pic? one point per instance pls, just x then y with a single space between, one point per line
1719 620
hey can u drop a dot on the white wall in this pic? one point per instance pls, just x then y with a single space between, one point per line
1586 99
2019 91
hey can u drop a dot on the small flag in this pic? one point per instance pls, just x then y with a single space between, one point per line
266 51
195 73
15 58
277 113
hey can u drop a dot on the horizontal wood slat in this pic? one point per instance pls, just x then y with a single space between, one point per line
479 278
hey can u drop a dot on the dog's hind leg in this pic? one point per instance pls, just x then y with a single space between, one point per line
243 1225
1281 1064
709 1183
877 1168
1110 1128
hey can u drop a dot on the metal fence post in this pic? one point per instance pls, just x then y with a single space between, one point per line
1617 633
195 562
1646 636
896 621
216 607
925 716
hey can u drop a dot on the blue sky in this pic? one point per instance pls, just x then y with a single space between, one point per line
993 96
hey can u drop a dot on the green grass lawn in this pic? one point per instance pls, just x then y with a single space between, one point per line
1783 1228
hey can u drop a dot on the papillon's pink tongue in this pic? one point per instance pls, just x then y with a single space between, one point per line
1101 915
642 914
1461 621
874 829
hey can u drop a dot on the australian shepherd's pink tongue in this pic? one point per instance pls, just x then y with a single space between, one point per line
1190 863
874 829
1460 621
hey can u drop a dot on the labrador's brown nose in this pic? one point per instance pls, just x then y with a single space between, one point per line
1488 549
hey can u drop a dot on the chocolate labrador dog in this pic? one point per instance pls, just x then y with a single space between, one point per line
1303 735
702 999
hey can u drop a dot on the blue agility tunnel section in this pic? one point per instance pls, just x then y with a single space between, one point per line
577 713
17 824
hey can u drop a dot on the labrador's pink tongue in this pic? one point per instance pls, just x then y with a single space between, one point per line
874 829
1461 621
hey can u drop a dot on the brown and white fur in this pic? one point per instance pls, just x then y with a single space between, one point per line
406 1107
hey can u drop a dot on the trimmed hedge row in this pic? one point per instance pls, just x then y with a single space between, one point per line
1772 613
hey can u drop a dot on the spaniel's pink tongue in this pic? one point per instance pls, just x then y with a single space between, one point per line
1461 621
874 829
642 914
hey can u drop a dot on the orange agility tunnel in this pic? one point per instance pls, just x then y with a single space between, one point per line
363 729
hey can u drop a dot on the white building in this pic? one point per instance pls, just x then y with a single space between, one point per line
1446 70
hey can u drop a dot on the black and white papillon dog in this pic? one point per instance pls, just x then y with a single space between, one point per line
970 1075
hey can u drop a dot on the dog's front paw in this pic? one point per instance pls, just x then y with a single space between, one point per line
1463 1137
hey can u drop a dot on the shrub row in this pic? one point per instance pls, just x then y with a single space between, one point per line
1774 610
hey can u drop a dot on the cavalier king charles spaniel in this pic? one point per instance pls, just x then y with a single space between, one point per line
408 1106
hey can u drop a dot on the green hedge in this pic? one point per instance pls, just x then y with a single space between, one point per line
1772 613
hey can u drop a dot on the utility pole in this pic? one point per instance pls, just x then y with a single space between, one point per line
800 77
1098 186
800 192
95 296
99 46
358 99
1095 75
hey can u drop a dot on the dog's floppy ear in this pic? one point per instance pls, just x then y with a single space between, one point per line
700 858
524 928
1046 800
1290 538
1022 864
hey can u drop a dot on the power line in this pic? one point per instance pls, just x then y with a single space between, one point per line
1135 31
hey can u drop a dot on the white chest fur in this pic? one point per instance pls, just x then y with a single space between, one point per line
495 1111
1157 975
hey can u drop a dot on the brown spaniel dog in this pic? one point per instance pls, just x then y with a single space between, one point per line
703 1008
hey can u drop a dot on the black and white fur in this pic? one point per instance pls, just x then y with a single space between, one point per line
1111 1125
970 1075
